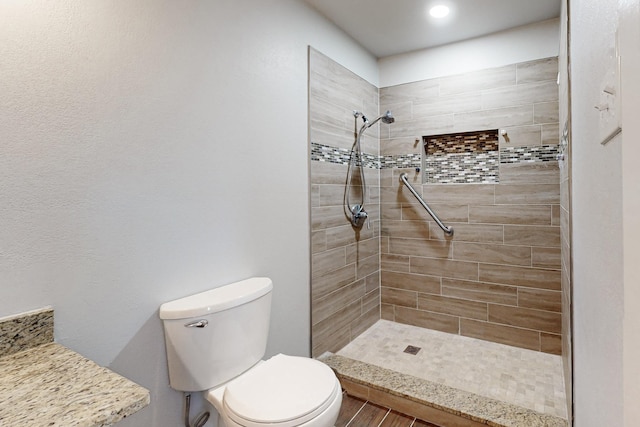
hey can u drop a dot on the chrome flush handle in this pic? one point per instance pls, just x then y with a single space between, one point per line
197 324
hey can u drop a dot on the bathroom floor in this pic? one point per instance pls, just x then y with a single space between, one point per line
356 412
525 378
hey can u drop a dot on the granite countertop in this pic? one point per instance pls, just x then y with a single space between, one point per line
43 383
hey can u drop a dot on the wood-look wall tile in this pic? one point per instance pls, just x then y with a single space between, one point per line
406 145
555 214
520 276
328 173
387 312
315 196
533 235
420 247
494 254
479 233
325 284
546 257
340 236
412 229
409 92
447 212
327 217
435 125
444 268
478 80
540 299
426 319
529 173
545 112
522 94
371 300
327 261
517 337
496 118
510 214
535 194
479 291
453 306
522 136
318 241
367 266
399 297
333 333
550 134
398 263
551 343
526 318
372 282
435 106
538 70
364 322
324 307
473 194
411 282
363 249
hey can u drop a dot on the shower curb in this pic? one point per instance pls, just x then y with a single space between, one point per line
431 401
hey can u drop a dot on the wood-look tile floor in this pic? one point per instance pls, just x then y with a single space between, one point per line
356 412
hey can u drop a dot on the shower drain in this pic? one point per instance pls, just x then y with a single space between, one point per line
412 349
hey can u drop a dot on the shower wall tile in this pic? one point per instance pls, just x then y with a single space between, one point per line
399 297
505 251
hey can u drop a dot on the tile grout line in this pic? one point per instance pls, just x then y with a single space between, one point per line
385 417
356 414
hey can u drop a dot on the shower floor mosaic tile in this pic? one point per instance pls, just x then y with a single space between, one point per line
521 377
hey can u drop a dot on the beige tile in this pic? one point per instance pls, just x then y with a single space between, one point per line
545 257
340 236
387 312
529 173
409 92
555 215
426 319
447 212
427 107
550 133
367 266
364 322
522 94
391 211
363 249
517 337
489 253
331 137
411 229
412 282
495 118
478 80
315 196
354 389
510 214
520 276
333 280
372 282
522 136
327 217
540 299
331 195
398 263
551 343
533 235
525 318
406 145
324 262
445 268
371 301
479 233
399 297
420 247
459 193
324 307
541 194
479 291
318 241
545 112
453 306
334 333
541 69
436 125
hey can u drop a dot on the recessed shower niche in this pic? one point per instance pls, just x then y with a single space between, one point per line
461 158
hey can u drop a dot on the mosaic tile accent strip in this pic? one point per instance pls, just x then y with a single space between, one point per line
530 154
401 161
326 153
25 330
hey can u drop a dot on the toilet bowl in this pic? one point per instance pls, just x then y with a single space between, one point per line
284 391
215 341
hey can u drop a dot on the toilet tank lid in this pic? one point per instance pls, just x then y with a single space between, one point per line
218 299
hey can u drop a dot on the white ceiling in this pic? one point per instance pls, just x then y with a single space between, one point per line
389 27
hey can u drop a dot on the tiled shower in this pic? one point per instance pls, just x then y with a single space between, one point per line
498 277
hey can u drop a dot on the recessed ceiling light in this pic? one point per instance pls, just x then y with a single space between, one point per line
439 11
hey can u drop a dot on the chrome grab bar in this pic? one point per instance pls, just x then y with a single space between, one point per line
448 230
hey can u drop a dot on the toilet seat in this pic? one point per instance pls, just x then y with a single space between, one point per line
284 391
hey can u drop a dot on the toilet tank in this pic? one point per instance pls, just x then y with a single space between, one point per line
214 336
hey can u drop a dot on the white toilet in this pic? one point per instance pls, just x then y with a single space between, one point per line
215 341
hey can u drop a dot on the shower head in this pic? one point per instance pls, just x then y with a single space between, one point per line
386 118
